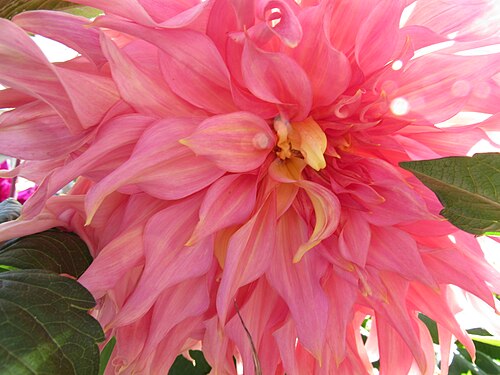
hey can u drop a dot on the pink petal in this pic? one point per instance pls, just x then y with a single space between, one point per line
249 254
35 131
65 90
376 41
229 201
171 14
354 239
236 142
167 261
330 78
276 78
172 307
147 94
387 256
287 28
181 174
327 215
106 143
299 283
190 63
73 31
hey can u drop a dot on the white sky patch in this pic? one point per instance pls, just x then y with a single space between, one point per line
407 13
54 51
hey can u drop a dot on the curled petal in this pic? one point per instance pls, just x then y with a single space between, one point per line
65 28
236 142
276 78
281 20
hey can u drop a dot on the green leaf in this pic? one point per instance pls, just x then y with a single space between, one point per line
87 12
490 340
183 366
431 326
52 250
10 209
468 188
9 8
106 355
462 364
44 324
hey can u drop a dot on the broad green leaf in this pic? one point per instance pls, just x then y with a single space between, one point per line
468 188
10 209
490 340
52 250
106 355
183 366
462 364
9 8
44 324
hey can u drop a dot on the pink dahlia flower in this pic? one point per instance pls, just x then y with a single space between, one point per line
240 158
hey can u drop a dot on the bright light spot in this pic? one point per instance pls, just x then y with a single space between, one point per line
54 51
461 88
400 106
239 367
432 48
486 50
464 118
482 90
406 14
261 141
452 35
452 238
396 65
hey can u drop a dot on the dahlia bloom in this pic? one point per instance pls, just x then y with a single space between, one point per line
239 158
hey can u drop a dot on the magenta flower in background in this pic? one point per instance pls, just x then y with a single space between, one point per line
5 187
245 153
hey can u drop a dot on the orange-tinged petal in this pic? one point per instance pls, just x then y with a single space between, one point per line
308 137
235 142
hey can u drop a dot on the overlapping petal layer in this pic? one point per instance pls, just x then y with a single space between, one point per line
237 161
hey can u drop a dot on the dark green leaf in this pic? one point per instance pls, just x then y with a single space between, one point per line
10 209
462 364
9 8
106 354
183 366
52 250
431 326
468 188
45 327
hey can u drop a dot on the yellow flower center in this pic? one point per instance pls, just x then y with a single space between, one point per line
304 139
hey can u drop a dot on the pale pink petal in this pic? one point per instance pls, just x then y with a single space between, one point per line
229 201
236 142
470 19
249 254
73 31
